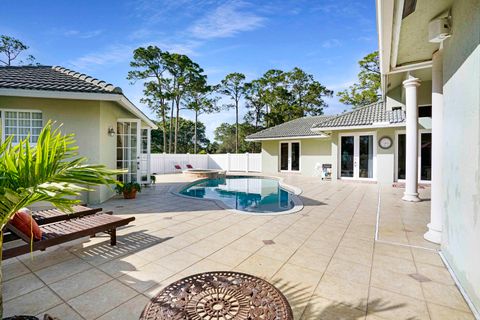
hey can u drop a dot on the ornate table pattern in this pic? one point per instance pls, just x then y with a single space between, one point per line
219 296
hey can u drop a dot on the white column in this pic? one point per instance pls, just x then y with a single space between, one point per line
434 233
411 175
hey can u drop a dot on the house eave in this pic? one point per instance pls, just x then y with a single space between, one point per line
50 94
319 136
346 128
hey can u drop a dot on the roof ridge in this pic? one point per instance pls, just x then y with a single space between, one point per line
82 76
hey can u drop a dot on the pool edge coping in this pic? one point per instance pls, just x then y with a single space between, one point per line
296 191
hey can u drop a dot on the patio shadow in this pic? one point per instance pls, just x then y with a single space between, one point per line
308 306
126 244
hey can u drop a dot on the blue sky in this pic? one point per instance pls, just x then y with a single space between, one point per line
324 37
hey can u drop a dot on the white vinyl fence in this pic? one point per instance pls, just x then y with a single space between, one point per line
162 163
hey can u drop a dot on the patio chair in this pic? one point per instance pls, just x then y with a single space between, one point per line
67 230
177 168
53 215
189 166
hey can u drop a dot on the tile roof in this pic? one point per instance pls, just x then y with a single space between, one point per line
365 116
296 128
370 115
52 79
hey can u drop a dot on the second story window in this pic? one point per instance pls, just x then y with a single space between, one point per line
22 123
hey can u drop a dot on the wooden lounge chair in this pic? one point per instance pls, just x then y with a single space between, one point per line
68 230
54 215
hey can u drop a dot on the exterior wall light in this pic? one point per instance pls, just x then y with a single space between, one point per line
111 131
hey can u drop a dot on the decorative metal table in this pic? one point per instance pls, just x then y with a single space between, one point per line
219 296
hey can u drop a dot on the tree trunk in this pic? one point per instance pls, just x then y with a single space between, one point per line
164 123
236 129
195 137
170 129
177 123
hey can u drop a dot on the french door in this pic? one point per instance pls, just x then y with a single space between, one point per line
128 149
290 156
424 156
357 156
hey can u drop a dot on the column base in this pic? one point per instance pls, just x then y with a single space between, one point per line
433 235
410 197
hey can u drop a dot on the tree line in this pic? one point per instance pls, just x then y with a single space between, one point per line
173 82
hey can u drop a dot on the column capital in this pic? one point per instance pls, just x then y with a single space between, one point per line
411 82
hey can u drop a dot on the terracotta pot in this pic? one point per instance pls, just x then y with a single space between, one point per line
130 194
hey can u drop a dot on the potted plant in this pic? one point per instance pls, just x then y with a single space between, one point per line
49 171
129 190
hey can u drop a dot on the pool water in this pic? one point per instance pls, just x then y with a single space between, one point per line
250 194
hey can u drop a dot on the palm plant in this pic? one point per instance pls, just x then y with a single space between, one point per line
49 171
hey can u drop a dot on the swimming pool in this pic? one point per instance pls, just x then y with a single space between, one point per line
248 194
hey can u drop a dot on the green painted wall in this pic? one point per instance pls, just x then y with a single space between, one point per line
88 120
461 150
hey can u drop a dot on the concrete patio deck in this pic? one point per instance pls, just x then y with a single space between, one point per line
324 258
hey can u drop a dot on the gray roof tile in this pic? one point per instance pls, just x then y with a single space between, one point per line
53 79
365 116
296 128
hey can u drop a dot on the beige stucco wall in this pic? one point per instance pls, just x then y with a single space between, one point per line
325 151
312 151
396 96
88 120
270 156
461 149
385 160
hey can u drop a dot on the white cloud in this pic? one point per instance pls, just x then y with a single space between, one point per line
80 34
225 21
110 55
331 43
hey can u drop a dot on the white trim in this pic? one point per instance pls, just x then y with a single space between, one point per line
397 25
320 136
419 158
50 94
138 147
471 305
385 13
411 67
356 137
366 127
2 120
289 154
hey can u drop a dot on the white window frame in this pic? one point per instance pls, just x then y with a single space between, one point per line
356 155
139 136
289 142
3 116
148 153
419 154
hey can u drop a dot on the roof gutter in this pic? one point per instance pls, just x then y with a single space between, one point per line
48 94
373 126
320 136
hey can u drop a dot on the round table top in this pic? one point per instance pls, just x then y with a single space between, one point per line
219 295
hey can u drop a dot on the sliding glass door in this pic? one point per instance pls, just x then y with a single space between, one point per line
357 156
289 156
